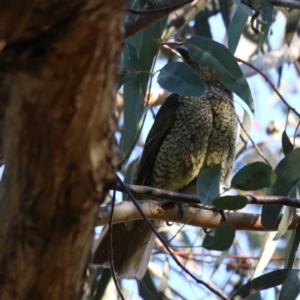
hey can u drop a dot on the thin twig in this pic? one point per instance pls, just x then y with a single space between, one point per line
151 226
279 200
186 17
112 267
270 83
254 145
146 19
193 199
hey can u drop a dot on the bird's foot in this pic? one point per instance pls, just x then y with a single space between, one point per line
168 204
216 212
222 213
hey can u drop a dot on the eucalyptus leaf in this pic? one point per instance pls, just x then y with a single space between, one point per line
293 242
287 174
202 27
267 12
291 286
240 4
263 282
264 31
99 287
146 43
256 296
208 184
147 288
206 53
225 10
286 219
230 202
137 56
235 29
219 239
133 111
178 77
254 176
287 146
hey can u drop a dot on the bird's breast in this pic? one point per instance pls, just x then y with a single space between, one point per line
203 134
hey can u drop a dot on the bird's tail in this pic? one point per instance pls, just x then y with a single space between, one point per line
132 246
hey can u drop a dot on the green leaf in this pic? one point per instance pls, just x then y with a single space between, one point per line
133 100
244 7
287 146
291 286
288 215
206 53
126 76
147 288
287 174
256 296
267 12
202 26
263 282
230 202
178 77
133 111
292 248
208 184
254 176
137 56
293 242
225 10
264 31
146 43
235 30
99 287
219 239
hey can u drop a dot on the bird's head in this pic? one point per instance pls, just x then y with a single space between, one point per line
207 74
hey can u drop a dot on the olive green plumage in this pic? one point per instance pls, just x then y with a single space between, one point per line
189 135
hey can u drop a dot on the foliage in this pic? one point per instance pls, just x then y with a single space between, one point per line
139 60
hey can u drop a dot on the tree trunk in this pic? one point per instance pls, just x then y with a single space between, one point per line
59 63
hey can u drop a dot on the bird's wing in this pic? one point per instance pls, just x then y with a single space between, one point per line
164 120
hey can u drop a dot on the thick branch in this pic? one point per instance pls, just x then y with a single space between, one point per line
171 212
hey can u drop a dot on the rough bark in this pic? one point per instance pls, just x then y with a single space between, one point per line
59 63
